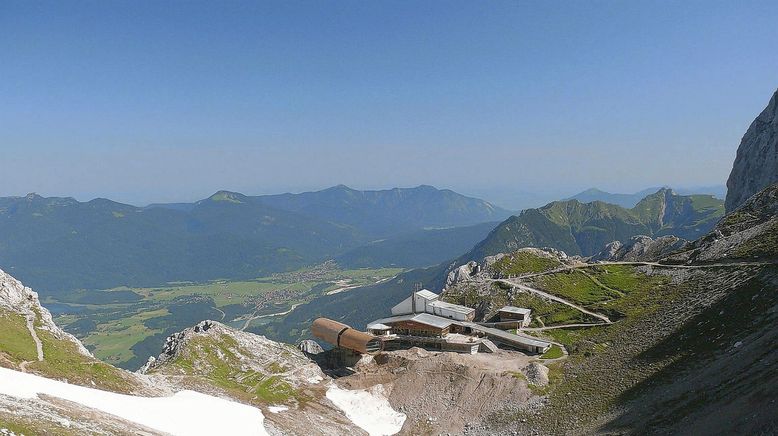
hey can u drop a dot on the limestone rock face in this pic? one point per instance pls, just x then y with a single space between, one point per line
639 249
463 273
756 164
308 346
15 297
748 233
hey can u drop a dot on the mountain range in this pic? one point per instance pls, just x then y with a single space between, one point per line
60 243
585 228
630 200
571 226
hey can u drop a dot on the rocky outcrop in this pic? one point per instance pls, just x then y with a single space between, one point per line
281 380
17 298
639 249
749 233
477 271
756 164
466 272
536 373
310 347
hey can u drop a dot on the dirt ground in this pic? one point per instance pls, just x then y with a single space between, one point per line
442 392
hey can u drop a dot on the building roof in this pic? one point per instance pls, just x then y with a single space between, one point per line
514 309
427 294
498 334
452 307
378 326
421 318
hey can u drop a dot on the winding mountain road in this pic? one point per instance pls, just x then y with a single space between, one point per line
636 263
514 282
552 297
561 326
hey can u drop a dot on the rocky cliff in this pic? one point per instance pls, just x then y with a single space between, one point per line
750 233
18 302
639 249
756 164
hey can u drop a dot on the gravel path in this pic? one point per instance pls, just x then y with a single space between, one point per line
563 326
38 343
654 264
553 298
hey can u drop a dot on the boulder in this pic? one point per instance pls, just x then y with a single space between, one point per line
536 373
309 347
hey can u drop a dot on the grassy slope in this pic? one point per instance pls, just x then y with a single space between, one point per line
574 286
216 361
629 366
524 262
17 344
62 359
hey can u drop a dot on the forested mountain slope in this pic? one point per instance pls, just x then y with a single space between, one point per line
585 228
392 211
58 244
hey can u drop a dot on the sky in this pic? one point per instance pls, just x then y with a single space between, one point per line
171 101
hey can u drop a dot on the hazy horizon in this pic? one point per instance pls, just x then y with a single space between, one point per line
155 102
513 200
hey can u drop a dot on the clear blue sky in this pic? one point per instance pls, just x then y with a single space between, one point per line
171 100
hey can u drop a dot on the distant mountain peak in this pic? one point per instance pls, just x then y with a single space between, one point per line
594 191
342 187
228 196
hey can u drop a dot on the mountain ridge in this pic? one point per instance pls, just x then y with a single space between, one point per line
59 243
585 228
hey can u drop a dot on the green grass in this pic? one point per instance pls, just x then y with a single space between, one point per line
121 325
623 278
16 344
112 341
226 292
553 353
599 356
765 245
707 202
215 360
524 262
574 286
62 360
38 426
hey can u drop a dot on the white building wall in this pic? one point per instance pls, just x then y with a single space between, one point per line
450 314
406 306
403 307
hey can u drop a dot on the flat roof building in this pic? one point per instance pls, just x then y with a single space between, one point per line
513 313
426 301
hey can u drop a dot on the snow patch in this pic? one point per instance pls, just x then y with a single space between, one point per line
368 409
185 413
277 409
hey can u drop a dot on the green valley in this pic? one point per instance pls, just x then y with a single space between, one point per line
124 326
